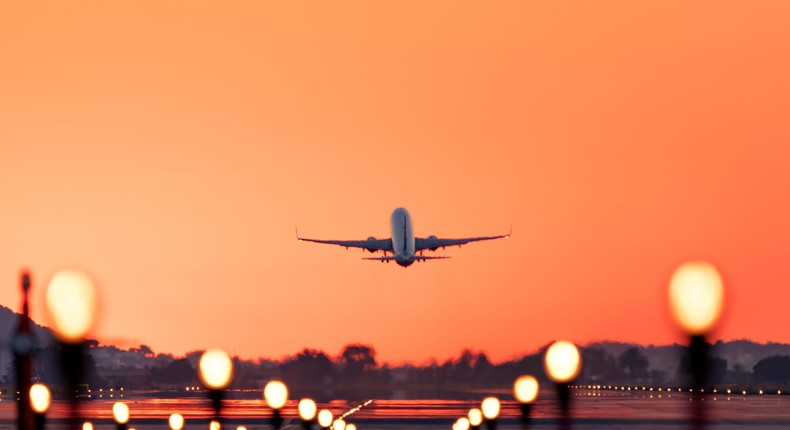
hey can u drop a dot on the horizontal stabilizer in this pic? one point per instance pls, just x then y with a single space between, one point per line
416 258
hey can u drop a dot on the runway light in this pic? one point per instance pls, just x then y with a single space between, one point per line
696 297
338 424
490 408
176 421
216 369
761 392
562 361
525 389
87 425
276 394
729 391
120 412
71 301
744 392
40 398
307 409
475 416
325 418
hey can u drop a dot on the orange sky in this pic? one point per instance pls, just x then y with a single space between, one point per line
171 147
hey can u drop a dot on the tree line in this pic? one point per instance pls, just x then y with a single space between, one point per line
356 373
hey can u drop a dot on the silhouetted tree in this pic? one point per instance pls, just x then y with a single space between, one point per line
774 369
177 372
634 363
356 359
144 350
307 368
718 370
598 365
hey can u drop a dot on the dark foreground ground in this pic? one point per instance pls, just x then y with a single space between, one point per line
639 411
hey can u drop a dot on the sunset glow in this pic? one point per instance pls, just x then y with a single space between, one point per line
171 148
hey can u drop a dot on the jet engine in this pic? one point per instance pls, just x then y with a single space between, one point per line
432 237
371 250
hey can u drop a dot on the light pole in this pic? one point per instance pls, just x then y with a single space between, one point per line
325 419
696 299
215 371
71 299
490 408
563 363
307 411
276 395
120 413
175 422
22 344
40 399
475 416
525 390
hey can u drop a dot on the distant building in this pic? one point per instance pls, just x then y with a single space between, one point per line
128 378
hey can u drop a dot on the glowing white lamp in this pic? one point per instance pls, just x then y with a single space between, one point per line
215 369
562 361
176 421
71 301
525 389
214 425
120 413
325 418
351 426
307 409
338 424
87 425
40 398
490 408
475 416
463 423
276 394
696 297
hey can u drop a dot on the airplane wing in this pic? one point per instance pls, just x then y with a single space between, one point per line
432 243
370 244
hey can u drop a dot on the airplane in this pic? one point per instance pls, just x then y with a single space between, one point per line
403 245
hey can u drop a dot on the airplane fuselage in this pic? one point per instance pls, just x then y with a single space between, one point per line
402 237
